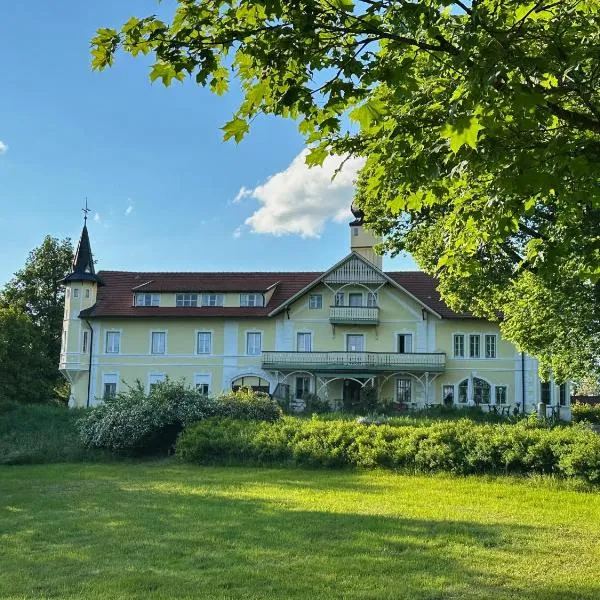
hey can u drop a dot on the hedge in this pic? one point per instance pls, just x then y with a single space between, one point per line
460 447
136 423
585 412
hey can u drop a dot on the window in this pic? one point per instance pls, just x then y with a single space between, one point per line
545 392
304 342
315 302
355 343
212 299
204 342
147 299
482 391
253 343
186 300
113 342
448 394
251 300
563 392
500 394
154 379
474 345
404 343
355 231
109 385
372 299
302 387
159 339
87 293
403 391
84 344
459 345
339 299
75 292
463 391
202 383
355 299
490 346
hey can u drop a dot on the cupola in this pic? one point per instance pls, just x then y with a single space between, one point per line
363 241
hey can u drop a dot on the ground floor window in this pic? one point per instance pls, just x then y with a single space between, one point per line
481 389
563 392
403 391
251 382
302 387
545 392
463 391
202 383
154 379
500 394
448 394
109 385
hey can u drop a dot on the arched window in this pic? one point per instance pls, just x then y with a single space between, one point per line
258 384
482 391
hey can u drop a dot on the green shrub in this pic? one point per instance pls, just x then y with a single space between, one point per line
461 447
41 433
586 412
137 423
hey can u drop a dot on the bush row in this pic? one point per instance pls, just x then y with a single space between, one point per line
586 412
135 423
460 447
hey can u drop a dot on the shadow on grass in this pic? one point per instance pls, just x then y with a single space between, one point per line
112 538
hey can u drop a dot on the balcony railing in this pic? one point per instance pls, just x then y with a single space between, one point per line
354 314
349 362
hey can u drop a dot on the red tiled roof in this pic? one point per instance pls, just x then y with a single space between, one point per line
115 299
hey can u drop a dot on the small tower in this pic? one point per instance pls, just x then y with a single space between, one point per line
363 241
81 286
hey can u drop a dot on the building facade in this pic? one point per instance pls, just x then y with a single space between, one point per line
339 335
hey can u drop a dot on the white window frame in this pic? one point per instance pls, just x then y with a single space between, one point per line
318 302
248 334
118 332
464 345
307 390
410 389
154 299
341 297
449 385
197 347
475 336
203 379
84 341
257 302
356 295
157 377
310 340
210 299
487 337
186 299
364 344
75 292
497 387
111 378
87 292
412 341
154 331
372 299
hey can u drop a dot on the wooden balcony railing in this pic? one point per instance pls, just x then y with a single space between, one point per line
354 314
349 362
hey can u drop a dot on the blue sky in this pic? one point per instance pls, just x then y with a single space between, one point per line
159 179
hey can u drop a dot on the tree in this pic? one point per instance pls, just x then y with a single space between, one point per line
23 359
36 292
480 122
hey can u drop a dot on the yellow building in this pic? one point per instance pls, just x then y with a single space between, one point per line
350 331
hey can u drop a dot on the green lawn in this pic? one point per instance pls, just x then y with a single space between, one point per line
164 530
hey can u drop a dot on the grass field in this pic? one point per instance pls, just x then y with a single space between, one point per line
165 530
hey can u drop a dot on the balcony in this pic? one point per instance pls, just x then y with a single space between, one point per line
353 362
349 315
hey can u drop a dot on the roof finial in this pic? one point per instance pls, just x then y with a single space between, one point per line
85 211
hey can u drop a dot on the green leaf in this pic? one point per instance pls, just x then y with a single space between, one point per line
368 113
316 156
236 128
464 131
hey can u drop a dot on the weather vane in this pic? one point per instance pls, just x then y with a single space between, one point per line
85 211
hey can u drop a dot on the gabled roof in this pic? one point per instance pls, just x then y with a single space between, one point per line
116 298
354 255
82 268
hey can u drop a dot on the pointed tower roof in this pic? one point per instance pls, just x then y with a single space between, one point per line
83 263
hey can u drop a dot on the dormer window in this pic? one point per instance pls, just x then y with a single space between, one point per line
251 300
147 299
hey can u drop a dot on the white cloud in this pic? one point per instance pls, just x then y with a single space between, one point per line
300 200
3 147
97 218
129 210
243 193
237 232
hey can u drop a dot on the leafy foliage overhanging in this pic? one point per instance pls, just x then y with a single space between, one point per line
480 122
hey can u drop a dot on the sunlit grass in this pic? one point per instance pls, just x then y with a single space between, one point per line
164 530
